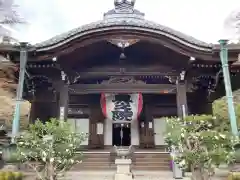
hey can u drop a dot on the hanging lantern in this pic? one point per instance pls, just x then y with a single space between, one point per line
121 107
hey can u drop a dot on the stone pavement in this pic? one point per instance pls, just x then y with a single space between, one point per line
138 175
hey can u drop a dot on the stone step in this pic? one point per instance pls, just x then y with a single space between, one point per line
146 155
96 155
151 168
141 161
95 159
155 159
152 159
93 167
152 163
96 163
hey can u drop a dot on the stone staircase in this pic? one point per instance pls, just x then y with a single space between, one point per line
151 161
146 161
95 161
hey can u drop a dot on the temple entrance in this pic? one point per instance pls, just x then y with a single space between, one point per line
121 134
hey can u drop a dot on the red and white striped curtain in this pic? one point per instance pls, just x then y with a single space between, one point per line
121 110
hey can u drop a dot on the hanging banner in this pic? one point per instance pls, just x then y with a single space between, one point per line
121 107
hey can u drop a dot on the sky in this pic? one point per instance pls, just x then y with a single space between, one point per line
202 19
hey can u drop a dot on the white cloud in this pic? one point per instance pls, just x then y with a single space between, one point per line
200 19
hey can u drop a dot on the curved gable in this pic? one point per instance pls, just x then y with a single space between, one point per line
124 17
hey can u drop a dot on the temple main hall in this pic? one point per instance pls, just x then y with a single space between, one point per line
117 79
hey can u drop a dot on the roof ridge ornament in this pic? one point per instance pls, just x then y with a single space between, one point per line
124 9
124 5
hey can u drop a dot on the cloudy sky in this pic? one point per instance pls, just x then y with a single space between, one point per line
202 19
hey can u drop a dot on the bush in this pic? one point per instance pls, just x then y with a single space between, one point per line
234 176
200 143
220 109
8 175
9 154
52 145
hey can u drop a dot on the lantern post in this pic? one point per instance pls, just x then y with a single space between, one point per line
227 83
16 117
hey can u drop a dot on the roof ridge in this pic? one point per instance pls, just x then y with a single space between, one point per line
128 22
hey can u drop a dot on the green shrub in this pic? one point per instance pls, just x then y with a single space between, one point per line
53 146
199 141
234 176
9 175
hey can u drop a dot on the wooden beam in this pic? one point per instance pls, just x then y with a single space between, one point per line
33 59
130 67
133 70
106 74
6 47
122 88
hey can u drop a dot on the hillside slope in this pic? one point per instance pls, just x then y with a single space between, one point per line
7 96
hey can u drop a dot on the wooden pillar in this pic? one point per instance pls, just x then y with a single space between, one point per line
63 101
149 128
43 106
96 127
146 131
32 115
203 105
206 105
208 108
182 105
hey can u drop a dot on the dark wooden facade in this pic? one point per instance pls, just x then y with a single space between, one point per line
169 68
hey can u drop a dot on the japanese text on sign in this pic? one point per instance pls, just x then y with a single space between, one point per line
122 111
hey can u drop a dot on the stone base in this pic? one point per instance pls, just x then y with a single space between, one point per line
123 169
123 176
123 165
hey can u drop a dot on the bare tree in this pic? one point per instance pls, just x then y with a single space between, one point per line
9 16
9 13
232 25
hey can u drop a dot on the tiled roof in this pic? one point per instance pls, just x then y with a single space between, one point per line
125 17
123 24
